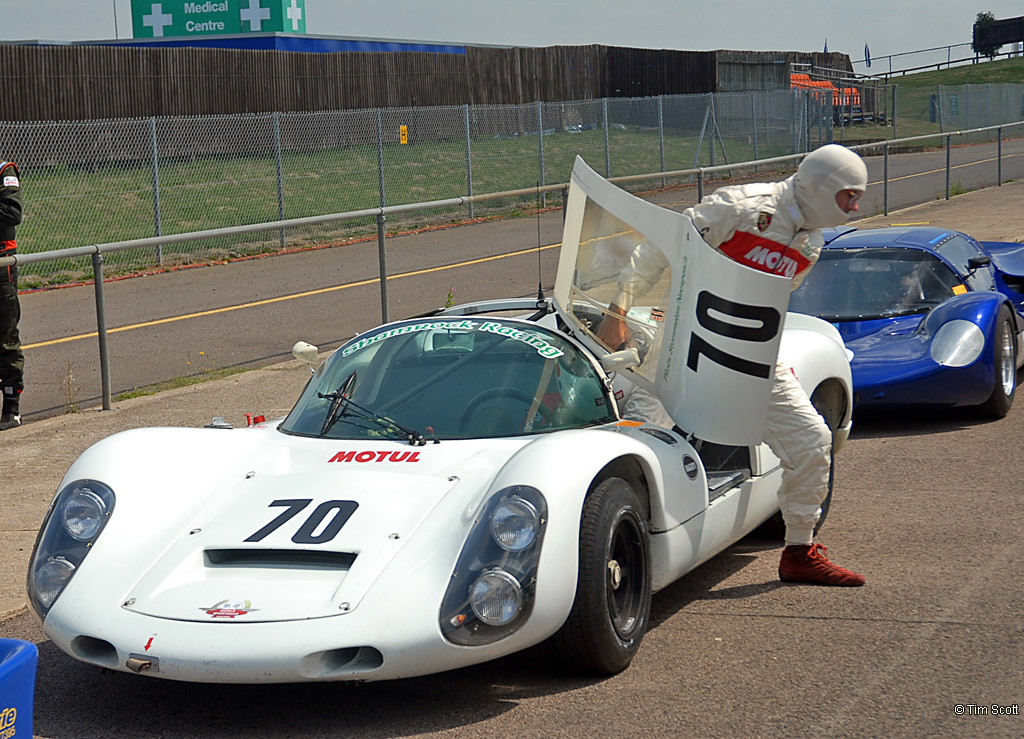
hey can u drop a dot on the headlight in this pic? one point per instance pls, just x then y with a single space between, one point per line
74 522
84 514
957 343
514 524
51 579
496 598
490 594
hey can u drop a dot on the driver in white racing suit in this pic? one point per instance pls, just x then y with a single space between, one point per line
772 227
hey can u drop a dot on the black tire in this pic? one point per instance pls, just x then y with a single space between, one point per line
613 591
1004 359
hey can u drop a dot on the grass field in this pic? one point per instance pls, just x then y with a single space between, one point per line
75 206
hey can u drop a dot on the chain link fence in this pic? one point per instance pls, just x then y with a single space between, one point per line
104 181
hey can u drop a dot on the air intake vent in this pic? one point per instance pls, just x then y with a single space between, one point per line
285 559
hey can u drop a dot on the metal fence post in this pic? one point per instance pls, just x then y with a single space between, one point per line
101 328
157 228
753 124
380 156
714 130
382 258
895 135
967 107
661 133
607 148
469 159
949 139
280 178
540 149
999 157
885 179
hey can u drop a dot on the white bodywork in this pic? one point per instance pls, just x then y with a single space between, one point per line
197 577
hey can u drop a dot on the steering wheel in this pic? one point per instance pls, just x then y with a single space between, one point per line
479 404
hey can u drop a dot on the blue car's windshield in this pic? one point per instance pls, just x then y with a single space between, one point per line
452 378
861 284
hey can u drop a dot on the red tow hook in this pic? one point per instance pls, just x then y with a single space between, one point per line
252 419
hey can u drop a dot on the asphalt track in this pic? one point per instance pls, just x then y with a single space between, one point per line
927 506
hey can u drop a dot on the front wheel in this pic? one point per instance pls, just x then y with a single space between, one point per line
613 591
1004 365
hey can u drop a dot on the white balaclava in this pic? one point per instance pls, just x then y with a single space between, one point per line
823 173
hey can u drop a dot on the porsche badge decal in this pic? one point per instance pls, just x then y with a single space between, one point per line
229 609
764 220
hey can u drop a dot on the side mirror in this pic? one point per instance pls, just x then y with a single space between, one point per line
306 352
620 360
974 263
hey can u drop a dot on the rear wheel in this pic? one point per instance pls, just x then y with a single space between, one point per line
1004 361
613 590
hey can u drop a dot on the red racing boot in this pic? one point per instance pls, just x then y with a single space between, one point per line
810 564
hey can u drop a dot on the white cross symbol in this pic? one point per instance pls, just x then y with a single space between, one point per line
295 14
157 19
255 15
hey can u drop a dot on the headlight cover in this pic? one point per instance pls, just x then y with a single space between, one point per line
957 343
491 591
74 522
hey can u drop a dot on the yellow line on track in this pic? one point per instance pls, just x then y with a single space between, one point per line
295 296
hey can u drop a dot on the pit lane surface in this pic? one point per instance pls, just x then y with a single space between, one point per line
927 506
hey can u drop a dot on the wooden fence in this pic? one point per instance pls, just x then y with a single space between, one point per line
80 82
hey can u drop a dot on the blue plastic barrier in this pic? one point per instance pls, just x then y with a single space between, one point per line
18 660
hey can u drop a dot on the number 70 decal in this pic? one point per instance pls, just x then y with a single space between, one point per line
753 323
342 511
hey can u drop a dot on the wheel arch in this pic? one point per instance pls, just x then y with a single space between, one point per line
630 468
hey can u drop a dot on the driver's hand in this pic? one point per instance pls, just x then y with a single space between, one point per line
613 332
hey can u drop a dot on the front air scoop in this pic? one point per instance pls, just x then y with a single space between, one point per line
286 547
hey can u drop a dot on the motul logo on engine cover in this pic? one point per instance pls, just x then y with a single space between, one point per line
375 457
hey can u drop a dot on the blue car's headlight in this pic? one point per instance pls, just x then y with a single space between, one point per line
73 523
490 594
957 343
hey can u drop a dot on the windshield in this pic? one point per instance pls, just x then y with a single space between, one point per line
452 378
860 284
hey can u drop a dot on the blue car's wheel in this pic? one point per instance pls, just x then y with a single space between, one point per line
1004 360
613 591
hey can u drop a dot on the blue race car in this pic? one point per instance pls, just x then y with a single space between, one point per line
931 316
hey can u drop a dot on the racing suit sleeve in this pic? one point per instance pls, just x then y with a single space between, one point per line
645 267
10 207
715 219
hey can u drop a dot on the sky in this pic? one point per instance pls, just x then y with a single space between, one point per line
887 27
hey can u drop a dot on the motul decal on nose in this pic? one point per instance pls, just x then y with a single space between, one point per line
385 456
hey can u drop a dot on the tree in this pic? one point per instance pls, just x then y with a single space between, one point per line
983 49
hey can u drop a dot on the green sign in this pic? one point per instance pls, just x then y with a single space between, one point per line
954 105
216 17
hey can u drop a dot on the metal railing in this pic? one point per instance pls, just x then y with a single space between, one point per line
97 251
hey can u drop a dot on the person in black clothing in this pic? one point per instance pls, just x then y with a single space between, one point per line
12 360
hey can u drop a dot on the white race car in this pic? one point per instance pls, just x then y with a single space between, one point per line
448 489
